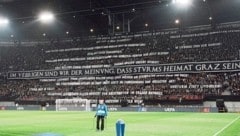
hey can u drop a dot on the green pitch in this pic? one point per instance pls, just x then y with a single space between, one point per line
39 123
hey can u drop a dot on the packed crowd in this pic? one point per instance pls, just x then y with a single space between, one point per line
189 87
171 47
164 48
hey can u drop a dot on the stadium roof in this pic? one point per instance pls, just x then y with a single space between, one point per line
79 16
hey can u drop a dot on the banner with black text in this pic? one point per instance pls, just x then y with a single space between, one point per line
173 68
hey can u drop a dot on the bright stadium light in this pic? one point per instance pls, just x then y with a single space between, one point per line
91 30
3 21
177 21
46 17
182 2
210 18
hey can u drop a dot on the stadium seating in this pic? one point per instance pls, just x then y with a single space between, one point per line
144 49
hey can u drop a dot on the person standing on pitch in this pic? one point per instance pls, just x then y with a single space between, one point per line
101 114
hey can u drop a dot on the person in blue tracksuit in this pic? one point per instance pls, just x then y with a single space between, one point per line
101 114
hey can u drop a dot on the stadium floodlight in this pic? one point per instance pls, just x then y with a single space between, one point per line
46 17
91 30
177 21
3 21
133 10
182 2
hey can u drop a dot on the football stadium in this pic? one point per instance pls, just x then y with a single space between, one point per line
119 67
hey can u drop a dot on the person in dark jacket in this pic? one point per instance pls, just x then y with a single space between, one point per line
101 114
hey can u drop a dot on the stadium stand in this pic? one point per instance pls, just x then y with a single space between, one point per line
121 67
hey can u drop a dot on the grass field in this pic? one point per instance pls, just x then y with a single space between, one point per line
40 123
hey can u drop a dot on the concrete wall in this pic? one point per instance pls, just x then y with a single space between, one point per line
231 106
7 103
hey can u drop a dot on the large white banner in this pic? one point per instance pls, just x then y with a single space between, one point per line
190 67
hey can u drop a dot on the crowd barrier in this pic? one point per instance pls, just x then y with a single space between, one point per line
116 109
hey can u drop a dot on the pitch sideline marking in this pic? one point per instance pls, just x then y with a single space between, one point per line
229 124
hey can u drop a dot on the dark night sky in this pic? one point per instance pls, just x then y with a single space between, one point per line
157 14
